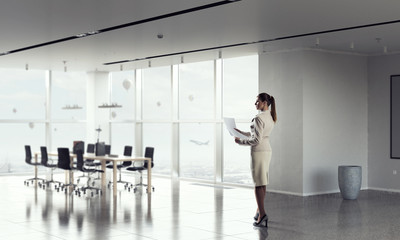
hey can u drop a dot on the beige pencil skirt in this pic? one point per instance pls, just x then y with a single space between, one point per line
260 167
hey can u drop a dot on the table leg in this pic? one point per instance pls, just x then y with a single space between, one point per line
115 178
36 160
103 175
149 176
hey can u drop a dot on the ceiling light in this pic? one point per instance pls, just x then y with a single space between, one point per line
317 42
352 45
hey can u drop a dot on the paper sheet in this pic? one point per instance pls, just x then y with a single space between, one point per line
230 126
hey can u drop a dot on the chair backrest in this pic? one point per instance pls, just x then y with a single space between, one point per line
64 159
127 153
90 148
44 155
79 158
149 153
78 145
100 149
108 149
28 154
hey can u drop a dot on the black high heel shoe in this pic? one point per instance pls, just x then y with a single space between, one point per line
262 223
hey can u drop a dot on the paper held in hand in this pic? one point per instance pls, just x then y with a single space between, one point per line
230 126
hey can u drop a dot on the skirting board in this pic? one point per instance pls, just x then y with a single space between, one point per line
384 189
313 193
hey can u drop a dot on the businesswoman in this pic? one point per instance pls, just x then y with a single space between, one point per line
258 139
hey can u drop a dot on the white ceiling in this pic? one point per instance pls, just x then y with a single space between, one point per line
26 23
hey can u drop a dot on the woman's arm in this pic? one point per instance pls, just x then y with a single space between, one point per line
258 133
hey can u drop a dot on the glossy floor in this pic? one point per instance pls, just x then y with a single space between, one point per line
186 210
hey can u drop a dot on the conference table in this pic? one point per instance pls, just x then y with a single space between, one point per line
114 160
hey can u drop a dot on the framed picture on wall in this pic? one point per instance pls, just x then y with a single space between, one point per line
395 116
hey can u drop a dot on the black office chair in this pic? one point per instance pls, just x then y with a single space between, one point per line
28 160
91 162
89 171
45 162
108 149
124 164
149 153
64 162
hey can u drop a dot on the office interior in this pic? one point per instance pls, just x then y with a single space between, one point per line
328 65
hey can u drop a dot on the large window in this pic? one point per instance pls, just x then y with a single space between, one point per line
22 94
175 109
68 95
122 134
23 112
197 150
196 90
156 88
159 135
14 137
64 134
123 93
240 92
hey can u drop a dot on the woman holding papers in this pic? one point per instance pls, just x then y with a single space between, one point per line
261 127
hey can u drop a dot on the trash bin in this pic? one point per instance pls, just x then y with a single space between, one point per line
349 178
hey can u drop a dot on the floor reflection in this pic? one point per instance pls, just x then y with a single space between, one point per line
187 210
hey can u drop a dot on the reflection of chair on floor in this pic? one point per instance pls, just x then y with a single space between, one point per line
149 153
64 162
28 160
124 164
45 162
89 171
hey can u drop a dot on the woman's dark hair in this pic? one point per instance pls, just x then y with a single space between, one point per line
265 97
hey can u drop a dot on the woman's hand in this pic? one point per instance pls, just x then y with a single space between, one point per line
238 130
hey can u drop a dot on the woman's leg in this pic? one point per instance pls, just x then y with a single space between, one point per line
260 192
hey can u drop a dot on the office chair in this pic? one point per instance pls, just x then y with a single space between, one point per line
28 160
45 162
149 153
124 164
64 162
89 171
91 162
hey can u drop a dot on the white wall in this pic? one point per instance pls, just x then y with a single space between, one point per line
322 118
335 115
380 165
281 76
